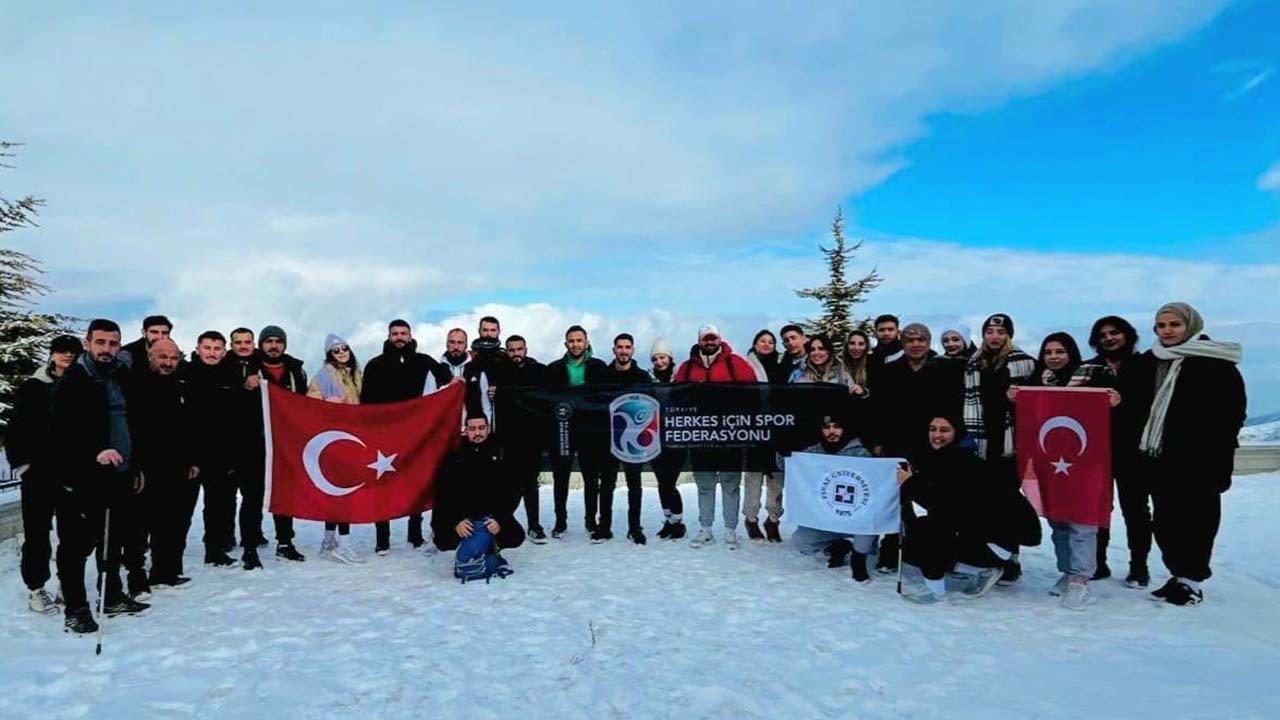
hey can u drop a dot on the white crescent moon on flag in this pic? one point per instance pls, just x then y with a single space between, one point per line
1070 423
311 461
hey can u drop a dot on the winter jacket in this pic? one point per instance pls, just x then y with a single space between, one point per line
1202 425
27 441
726 367
81 424
1135 381
399 374
852 448
557 374
529 373
906 399
988 414
163 441
879 356
333 383
472 483
833 372
634 375
211 394
956 488
244 416
769 369
294 378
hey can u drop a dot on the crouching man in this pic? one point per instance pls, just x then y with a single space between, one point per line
475 497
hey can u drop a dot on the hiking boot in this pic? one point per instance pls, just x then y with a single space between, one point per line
1077 596
80 622
704 537
771 531
636 535
177 582
288 552
858 563
251 560
665 532
42 602
125 605
600 535
1010 574
984 581
1059 588
1163 591
537 536
139 588
1138 577
1182 594
753 530
731 538
838 553
218 558
678 531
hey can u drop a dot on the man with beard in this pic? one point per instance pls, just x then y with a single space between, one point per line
154 327
712 360
793 340
622 371
246 452
912 390
210 387
89 419
575 369
281 369
524 451
888 346
487 368
399 373
164 455
1115 340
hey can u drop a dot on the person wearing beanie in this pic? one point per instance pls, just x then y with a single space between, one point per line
28 445
154 327
1116 340
577 367
956 343
283 370
713 360
1190 439
667 466
338 381
988 413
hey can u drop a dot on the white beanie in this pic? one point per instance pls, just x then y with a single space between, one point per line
661 346
708 329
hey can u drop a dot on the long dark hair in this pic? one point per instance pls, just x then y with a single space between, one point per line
761 334
1074 359
857 368
1124 326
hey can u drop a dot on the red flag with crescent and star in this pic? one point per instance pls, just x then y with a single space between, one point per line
357 463
1064 451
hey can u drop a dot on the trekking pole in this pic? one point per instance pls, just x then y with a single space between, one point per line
902 536
102 579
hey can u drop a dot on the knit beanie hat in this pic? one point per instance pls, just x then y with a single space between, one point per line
1189 316
66 343
661 346
332 341
916 328
999 320
272 331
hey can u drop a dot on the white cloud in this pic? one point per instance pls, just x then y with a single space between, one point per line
1270 180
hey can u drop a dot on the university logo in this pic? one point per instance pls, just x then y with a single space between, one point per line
633 421
844 492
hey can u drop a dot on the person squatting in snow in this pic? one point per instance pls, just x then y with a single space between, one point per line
117 443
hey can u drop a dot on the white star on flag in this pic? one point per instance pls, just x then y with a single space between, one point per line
1061 467
383 464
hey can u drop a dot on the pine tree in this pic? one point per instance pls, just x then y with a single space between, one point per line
838 294
24 335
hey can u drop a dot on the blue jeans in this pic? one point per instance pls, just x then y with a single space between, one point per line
1076 547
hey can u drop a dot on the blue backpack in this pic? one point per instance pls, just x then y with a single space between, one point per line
478 558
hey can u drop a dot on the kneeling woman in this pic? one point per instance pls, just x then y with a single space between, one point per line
957 517
338 381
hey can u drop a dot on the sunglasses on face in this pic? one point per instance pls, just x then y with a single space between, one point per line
340 349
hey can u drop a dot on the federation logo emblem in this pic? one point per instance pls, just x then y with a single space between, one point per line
634 433
844 492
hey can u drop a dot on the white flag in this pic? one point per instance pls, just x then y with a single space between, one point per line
838 493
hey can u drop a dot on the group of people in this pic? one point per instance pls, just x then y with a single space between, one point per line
117 442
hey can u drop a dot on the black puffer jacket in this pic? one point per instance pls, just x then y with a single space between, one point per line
473 483
397 374
27 439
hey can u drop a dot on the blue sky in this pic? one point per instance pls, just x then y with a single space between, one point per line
327 167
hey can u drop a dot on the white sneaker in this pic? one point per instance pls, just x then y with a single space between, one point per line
731 539
1059 588
1077 596
704 537
347 554
40 601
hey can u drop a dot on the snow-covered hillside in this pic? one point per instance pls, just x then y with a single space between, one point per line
1264 434
585 631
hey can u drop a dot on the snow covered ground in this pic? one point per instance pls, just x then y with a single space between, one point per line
1263 434
678 633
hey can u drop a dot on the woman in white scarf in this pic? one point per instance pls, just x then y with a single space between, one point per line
1190 437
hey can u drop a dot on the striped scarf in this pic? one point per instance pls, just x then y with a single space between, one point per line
1019 365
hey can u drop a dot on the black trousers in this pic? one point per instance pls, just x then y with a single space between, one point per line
170 503
39 498
591 467
527 467
382 532
635 493
81 514
510 535
253 491
1133 486
929 545
667 469
219 485
1188 511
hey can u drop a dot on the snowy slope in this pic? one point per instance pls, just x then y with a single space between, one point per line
1263 434
680 633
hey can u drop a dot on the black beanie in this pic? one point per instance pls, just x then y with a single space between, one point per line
66 343
999 320
272 331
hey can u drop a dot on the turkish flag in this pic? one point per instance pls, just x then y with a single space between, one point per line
357 463
1064 452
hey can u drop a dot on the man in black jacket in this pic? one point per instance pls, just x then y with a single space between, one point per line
575 369
888 346
475 487
211 383
1115 340
246 454
89 418
524 451
29 446
622 371
164 454
400 373
278 368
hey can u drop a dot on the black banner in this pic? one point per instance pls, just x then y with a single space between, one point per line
711 422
